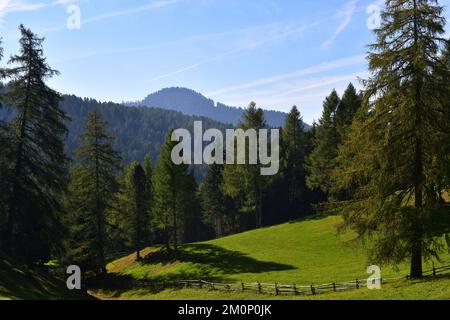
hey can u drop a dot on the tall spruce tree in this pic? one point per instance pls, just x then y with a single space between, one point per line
147 165
134 207
294 150
394 154
4 143
91 193
322 160
213 200
37 168
173 193
348 108
243 182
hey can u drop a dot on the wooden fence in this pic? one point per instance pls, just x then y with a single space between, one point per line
277 288
436 271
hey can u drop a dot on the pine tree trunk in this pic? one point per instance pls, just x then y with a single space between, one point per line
174 214
416 262
219 226
99 213
258 202
138 236
416 248
416 243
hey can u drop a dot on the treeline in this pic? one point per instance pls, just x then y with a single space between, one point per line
138 131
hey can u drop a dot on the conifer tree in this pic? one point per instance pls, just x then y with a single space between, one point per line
91 194
394 155
322 160
294 148
134 207
37 168
172 192
348 108
244 183
148 169
4 142
213 200
147 165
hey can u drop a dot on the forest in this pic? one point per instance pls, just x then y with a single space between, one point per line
78 192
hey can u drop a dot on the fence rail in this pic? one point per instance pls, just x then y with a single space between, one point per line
277 288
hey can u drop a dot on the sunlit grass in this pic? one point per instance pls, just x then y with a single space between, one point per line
304 252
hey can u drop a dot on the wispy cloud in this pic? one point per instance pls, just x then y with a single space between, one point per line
271 34
323 67
3 6
152 5
20 6
148 7
23 5
306 93
15 6
345 16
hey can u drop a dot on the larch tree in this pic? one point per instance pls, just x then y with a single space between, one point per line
37 170
395 155
92 191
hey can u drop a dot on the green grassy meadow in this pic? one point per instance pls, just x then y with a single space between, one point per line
303 252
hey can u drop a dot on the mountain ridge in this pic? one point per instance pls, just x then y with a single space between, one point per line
193 103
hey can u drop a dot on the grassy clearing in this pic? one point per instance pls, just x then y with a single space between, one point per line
303 252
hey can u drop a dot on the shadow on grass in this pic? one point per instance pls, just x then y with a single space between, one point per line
208 262
313 217
18 281
213 262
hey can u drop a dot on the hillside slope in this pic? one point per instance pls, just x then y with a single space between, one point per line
302 252
18 282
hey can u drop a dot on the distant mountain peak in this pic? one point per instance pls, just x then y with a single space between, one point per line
191 102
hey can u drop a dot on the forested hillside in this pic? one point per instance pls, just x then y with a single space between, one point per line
138 131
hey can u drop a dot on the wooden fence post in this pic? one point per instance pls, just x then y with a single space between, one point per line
259 288
242 286
276 289
313 290
334 286
295 289
357 284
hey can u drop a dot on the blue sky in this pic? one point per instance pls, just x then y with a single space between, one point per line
276 53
